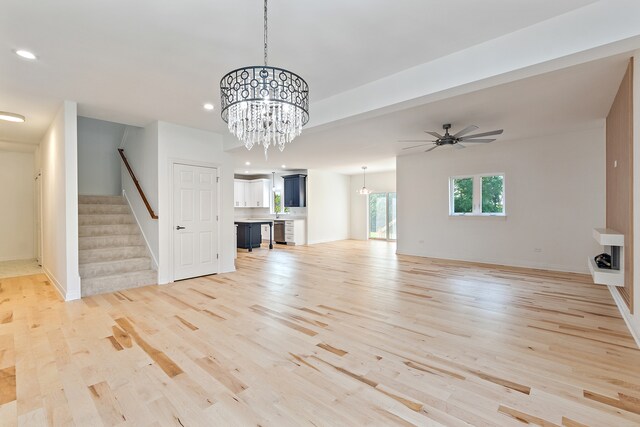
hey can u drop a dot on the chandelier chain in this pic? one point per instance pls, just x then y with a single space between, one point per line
265 33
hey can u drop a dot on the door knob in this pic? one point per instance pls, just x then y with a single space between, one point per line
180 228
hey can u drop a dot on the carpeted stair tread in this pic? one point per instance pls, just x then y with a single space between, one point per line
112 253
108 200
109 268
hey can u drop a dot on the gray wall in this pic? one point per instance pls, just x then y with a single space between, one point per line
98 158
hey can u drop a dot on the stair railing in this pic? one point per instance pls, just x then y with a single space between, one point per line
135 181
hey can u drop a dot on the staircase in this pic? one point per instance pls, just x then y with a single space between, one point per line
113 253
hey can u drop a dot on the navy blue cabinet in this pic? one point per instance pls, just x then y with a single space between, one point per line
249 235
295 190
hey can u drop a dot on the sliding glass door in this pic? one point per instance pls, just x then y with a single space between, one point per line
382 216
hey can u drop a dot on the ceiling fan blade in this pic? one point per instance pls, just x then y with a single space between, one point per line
434 134
415 140
459 146
432 148
477 135
478 140
465 131
415 146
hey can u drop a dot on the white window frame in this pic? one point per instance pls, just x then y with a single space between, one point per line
477 195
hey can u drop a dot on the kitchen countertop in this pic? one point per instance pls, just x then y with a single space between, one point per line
257 220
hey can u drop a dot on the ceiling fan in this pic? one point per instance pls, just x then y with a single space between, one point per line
455 140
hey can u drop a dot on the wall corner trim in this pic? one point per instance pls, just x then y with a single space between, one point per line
56 284
71 296
624 312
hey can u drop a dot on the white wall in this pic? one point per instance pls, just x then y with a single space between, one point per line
555 196
58 161
381 182
17 172
327 206
141 150
98 158
633 320
194 146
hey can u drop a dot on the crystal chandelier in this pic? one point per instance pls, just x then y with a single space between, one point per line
364 190
264 105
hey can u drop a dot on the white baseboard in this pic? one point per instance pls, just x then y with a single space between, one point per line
505 262
56 284
626 315
12 258
66 295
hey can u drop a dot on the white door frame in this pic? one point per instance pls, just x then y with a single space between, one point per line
38 208
218 168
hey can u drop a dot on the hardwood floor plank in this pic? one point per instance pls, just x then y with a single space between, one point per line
345 333
332 349
7 385
163 361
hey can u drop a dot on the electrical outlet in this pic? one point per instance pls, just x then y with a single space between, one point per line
537 249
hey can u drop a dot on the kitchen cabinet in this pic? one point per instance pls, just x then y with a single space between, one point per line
295 232
249 233
295 189
260 193
248 236
239 193
252 194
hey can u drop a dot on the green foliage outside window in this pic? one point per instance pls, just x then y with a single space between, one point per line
277 203
463 195
492 191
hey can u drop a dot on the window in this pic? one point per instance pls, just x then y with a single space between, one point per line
382 216
462 195
277 203
477 195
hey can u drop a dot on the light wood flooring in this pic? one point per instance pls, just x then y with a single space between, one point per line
340 334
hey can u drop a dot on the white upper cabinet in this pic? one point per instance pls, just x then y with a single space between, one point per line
239 193
252 194
261 193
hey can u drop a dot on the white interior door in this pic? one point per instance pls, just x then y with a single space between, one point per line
195 221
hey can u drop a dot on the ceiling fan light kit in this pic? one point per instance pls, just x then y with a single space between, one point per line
264 105
455 139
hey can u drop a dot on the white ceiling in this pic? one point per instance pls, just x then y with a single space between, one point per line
569 99
138 61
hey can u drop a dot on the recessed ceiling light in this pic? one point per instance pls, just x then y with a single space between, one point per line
208 106
247 163
284 166
246 171
11 117
26 54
